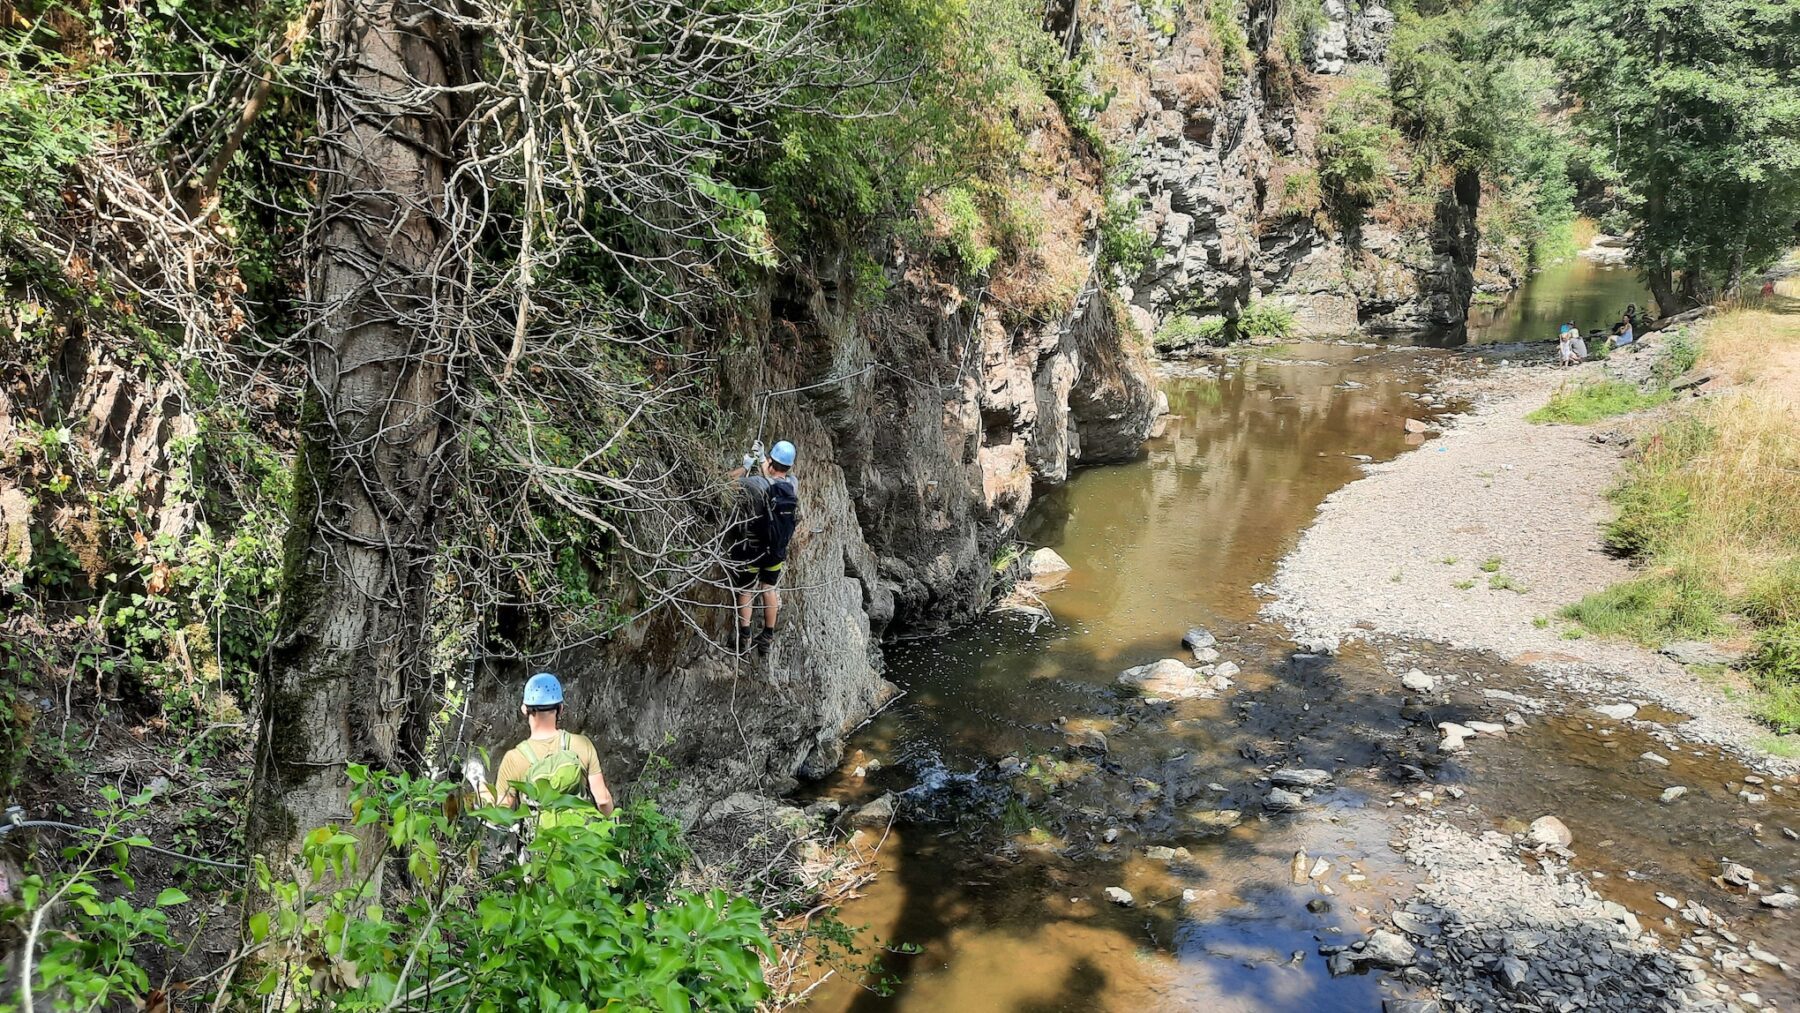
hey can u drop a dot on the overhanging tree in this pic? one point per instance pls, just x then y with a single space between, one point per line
1696 106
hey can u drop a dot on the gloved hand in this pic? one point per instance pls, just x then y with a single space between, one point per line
749 462
756 450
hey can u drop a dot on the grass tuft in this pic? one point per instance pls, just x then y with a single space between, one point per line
1591 402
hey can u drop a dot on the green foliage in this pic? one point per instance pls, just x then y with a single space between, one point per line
1692 111
1184 331
968 231
1124 244
1302 195
91 933
1676 357
1675 605
1234 45
1354 145
1591 402
1491 564
589 917
1264 319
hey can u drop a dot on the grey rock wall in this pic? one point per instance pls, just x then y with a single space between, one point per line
1208 169
913 471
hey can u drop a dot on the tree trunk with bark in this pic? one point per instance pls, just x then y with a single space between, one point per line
347 682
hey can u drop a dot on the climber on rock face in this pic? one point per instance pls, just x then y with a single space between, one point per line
757 544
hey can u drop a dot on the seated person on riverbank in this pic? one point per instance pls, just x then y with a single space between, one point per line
1565 346
1623 333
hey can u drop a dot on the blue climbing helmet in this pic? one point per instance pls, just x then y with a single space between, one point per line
782 453
543 690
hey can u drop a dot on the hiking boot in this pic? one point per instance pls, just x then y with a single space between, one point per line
765 640
745 639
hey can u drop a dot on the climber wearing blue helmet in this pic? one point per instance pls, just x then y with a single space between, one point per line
757 542
563 761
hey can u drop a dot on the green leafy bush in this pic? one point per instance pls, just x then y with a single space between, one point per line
1184 331
1123 243
1263 319
968 231
588 917
1354 145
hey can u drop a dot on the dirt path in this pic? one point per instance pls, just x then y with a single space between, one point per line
1480 536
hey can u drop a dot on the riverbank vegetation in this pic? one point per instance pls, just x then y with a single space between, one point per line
338 351
1591 402
1708 505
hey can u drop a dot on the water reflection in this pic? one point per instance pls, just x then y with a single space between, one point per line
1581 291
1003 891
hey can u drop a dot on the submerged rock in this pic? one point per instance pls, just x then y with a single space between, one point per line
1120 896
1617 711
1673 793
1282 800
1197 638
1781 901
1046 562
878 813
1309 777
1418 682
1168 679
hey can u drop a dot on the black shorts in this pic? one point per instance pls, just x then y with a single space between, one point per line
748 576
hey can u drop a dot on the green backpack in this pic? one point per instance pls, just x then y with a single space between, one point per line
559 770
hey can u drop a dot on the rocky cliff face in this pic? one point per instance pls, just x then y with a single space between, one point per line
1218 136
924 423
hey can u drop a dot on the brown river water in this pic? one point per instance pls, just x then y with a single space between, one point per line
991 895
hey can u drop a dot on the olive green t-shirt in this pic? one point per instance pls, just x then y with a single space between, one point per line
514 764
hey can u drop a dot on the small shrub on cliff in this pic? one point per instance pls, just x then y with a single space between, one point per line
1354 144
1185 331
1263 319
967 231
1123 243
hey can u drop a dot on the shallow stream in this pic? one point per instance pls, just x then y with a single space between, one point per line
997 877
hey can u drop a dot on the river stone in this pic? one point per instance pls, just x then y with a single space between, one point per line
1046 563
1168 679
1415 426
1549 830
1386 949
1085 738
1227 670
1698 652
1656 758
1781 901
878 813
1737 875
1671 794
1487 728
1120 896
1206 655
1197 638
1322 643
1418 682
1454 734
1617 711
1282 800
1292 777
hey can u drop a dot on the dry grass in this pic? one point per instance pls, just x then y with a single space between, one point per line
1712 506
1757 340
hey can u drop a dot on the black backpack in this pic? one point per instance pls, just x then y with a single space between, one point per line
781 503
